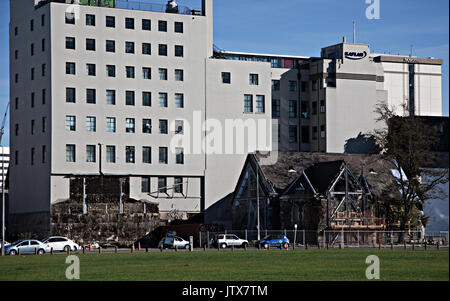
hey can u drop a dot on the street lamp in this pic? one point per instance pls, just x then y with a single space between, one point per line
295 233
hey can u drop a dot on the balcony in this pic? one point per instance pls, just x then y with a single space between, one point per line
132 5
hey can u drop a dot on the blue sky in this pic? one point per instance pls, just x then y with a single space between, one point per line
303 27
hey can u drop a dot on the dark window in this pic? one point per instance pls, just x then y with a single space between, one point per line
226 77
44 96
70 43
292 109
179 100
146 99
260 104
32 49
292 85
42 20
304 109
70 18
178 181
162 26
16 31
129 23
90 153
145 184
179 27
110 21
314 108
322 106
146 126
32 73
179 75
146 72
162 100
179 155
44 153
129 71
32 99
129 47
16 102
90 96
129 154
146 154
163 126
292 134
179 51
314 132
70 153
90 44
304 86
254 80
162 184
43 45
162 49
146 24
275 85
90 69
90 20
70 95
275 108
110 46
248 103
110 154
322 131
129 98
146 48
110 97
163 155
111 70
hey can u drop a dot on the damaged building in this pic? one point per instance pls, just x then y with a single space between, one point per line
313 191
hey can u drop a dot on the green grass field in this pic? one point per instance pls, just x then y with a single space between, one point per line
274 265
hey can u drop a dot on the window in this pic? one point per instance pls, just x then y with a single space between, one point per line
130 125
314 132
90 44
42 20
70 18
44 96
16 103
129 23
90 20
292 134
163 155
304 109
111 124
44 154
70 43
129 154
110 46
44 122
70 95
314 108
16 31
162 26
314 85
31 25
146 154
260 104
90 96
43 45
179 27
129 98
110 154
179 75
248 103
322 106
146 24
162 74
16 130
163 128
129 47
292 109
162 49
90 153
33 152
226 77
146 73
163 100
146 99
275 63
179 51
178 183
70 153
90 69
292 85
179 100
304 86
110 21
275 108
129 71
32 99
146 48
32 127
32 73
110 97
162 184
254 79
322 131
275 85
145 184
16 54
179 155
90 124
16 78
146 126
110 70
179 126
70 68
70 123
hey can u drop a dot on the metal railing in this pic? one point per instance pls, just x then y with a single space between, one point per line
160 8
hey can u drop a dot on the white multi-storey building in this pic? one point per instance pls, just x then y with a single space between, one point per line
105 91
4 164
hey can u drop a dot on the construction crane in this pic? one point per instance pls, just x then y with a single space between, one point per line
2 130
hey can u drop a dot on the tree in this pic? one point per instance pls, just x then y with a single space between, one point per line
409 143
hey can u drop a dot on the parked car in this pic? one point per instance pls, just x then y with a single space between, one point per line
273 241
177 241
229 240
59 243
27 246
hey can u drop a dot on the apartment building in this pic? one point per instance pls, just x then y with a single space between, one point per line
105 91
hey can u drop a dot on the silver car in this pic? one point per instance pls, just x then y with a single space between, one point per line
27 246
59 243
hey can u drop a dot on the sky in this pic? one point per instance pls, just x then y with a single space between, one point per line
303 27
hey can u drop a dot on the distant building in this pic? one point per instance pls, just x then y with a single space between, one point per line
4 165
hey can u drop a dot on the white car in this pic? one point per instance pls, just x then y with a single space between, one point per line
229 240
59 243
166 242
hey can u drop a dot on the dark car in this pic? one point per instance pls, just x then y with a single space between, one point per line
273 241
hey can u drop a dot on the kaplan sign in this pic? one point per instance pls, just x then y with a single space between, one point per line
351 55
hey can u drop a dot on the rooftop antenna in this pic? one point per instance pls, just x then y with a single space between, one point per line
410 54
354 32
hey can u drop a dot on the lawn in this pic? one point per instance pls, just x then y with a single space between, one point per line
273 265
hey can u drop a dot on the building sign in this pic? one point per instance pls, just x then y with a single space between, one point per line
410 60
355 55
